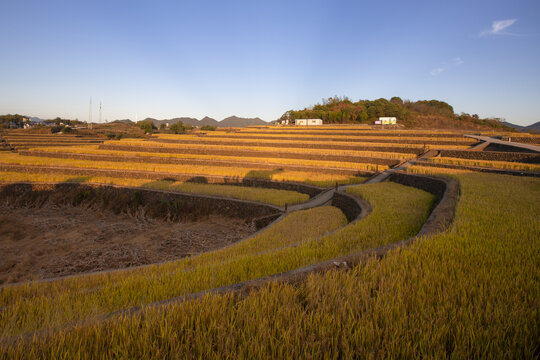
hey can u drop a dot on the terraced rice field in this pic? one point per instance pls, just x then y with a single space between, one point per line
336 155
276 250
468 290
489 164
19 140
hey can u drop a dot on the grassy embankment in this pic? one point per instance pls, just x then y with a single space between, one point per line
298 240
471 292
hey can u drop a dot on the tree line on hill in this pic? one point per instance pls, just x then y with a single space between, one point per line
18 121
341 110
148 126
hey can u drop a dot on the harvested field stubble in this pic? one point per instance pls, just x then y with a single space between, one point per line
45 242
471 292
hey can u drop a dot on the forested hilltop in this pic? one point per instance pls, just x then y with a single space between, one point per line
422 113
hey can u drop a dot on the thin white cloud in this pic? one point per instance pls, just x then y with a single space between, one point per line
437 71
457 61
445 65
498 26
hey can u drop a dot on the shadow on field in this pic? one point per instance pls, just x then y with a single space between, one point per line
263 174
79 179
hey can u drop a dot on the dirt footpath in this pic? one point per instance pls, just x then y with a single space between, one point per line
41 243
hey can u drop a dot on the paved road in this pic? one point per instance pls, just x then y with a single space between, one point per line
506 143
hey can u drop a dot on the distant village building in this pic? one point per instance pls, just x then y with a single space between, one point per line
386 121
308 122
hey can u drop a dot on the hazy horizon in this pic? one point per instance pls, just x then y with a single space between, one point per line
216 59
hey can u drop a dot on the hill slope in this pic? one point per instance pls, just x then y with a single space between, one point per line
533 127
235 121
418 114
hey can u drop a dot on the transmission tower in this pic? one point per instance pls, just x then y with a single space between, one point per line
90 114
100 112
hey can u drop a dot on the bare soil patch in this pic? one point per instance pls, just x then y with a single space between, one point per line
52 241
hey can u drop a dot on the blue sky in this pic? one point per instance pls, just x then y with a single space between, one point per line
260 58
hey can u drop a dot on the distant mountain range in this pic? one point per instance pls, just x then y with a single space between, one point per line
231 121
235 121
533 128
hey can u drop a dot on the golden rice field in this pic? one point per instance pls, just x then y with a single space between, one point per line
336 136
327 135
94 150
470 291
295 140
302 238
143 144
428 170
297 145
485 163
240 172
269 196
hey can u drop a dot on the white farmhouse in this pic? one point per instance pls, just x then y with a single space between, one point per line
387 121
308 122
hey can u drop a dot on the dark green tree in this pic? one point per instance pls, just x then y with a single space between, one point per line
177 127
147 126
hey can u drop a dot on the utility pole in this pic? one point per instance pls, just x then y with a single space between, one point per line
100 112
90 114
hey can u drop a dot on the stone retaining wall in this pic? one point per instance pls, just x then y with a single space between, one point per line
349 205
